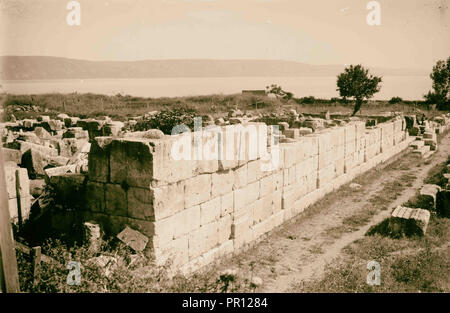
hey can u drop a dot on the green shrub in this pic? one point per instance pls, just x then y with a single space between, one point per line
395 100
167 119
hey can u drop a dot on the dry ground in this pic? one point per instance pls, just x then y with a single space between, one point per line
297 252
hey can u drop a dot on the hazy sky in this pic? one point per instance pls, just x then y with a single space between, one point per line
413 33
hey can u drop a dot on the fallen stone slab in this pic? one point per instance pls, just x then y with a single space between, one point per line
60 170
409 221
134 239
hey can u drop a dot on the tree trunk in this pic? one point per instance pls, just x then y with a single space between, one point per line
357 106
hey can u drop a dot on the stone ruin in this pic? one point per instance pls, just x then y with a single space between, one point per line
195 211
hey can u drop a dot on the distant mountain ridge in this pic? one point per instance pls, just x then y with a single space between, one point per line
46 67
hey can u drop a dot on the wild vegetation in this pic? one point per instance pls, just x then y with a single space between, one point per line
121 107
411 263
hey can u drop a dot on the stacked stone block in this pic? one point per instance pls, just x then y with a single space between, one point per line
195 211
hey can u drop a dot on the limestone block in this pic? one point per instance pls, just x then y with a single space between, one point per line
203 239
325 142
177 225
25 146
311 145
174 253
197 190
226 203
278 179
224 228
134 239
260 229
240 176
254 172
140 203
350 132
325 159
421 218
289 153
99 160
246 195
116 200
168 199
263 209
95 196
339 167
222 183
267 185
11 155
210 211
325 175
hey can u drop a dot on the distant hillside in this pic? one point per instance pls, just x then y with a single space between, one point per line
41 67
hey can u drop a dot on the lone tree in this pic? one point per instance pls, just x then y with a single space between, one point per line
441 85
356 82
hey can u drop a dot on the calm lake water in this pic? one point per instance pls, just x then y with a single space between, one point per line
406 87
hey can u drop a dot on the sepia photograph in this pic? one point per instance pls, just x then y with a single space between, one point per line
222 152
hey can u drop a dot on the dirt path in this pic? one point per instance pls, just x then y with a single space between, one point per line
299 250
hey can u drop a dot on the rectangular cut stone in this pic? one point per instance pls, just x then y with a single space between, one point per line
224 228
140 203
254 171
116 200
227 204
168 199
95 196
240 176
203 239
134 239
222 183
267 185
210 211
179 224
197 190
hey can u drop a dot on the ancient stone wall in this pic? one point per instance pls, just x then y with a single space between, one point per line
195 211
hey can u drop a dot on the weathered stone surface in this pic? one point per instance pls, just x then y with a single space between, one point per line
421 218
34 162
95 196
134 239
60 170
168 199
222 183
197 190
116 200
140 203
11 155
210 211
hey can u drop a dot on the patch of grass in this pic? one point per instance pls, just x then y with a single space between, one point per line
121 274
436 175
409 263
